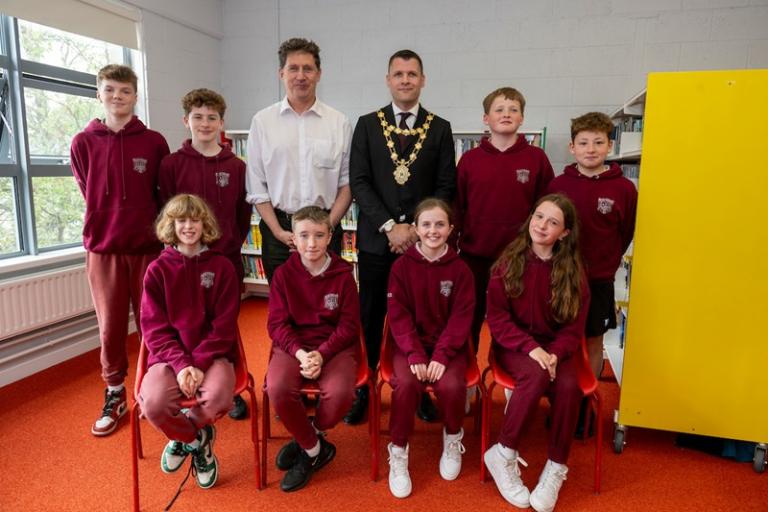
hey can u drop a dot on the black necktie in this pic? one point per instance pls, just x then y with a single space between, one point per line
403 126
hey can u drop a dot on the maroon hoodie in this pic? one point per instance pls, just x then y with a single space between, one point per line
117 175
309 312
525 323
189 309
607 205
495 193
220 180
430 305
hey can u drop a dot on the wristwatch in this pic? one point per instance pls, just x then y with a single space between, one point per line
387 227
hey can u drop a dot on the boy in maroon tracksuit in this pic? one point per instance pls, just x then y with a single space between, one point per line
189 323
115 163
497 184
314 323
429 306
208 170
607 203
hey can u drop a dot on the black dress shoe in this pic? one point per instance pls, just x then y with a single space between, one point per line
300 473
426 410
239 409
356 413
287 455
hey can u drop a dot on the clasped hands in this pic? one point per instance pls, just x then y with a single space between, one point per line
428 373
311 363
401 237
189 380
546 360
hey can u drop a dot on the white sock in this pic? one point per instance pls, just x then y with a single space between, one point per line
119 387
399 450
507 453
454 437
315 450
557 465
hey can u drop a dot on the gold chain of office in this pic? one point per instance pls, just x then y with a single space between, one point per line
402 172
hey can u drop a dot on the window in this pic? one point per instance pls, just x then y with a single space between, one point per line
47 96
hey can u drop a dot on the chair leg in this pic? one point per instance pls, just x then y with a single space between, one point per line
255 433
377 423
135 450
265 434
486 430
373 433
598 440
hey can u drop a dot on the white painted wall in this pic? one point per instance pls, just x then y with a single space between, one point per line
182 48
566 56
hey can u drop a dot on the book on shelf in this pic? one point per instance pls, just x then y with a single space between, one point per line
631 172
349 220
349 246
463 142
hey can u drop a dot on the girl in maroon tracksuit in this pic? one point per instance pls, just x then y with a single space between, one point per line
430 305
189 326
537 304
314 323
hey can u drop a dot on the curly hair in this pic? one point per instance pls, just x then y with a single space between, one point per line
204 98
591 122
186 206
298 44
567 269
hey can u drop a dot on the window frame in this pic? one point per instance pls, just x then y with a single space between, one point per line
23 74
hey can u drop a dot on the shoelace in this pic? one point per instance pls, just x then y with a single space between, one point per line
398 463
113 398
512 470
552 480
454 450
177 448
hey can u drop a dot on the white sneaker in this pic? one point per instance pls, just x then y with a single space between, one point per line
506 474
399 479
544 496
450 460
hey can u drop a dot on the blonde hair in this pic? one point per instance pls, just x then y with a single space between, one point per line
314 214
186 206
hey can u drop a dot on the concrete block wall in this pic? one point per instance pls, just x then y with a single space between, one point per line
566 56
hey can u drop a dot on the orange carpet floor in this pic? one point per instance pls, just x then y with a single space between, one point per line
51 462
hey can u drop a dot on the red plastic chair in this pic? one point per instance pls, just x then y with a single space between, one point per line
363 378
386 370
587 383
243 382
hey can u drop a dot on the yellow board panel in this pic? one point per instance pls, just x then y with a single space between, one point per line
697 332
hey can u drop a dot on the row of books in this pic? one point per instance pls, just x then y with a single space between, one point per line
349 246
631 172
253 266
462 144
629 124
239 146
253 241
349 220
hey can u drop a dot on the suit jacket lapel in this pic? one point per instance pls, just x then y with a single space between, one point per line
420 118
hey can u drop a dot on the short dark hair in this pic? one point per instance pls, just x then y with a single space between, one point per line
591 122
203 98
405 55
298 44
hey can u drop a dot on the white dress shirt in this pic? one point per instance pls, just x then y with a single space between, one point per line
297 160
410 120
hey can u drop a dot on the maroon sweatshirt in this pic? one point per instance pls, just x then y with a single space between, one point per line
607 205
495 193
189 309
309 312
430 305
220 180
117 175
525 323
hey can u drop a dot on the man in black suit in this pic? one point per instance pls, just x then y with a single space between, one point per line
400 155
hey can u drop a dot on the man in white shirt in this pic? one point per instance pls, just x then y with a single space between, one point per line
298 155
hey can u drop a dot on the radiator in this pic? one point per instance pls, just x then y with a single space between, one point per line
30 302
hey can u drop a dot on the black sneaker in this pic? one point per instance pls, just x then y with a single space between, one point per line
239 409
426 410
356 413
301 472
287 455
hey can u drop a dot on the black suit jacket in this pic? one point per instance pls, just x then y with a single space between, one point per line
378 195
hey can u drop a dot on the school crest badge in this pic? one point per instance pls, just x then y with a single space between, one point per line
445 288
523 175
331 301
222 178
604 205
206 279
140 165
